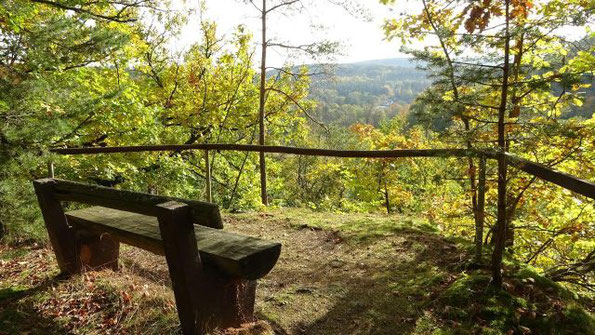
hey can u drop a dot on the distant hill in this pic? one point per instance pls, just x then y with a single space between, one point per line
368 91
394 62
376 90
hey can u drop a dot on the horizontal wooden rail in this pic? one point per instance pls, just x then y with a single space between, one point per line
572 183
567 181
274 149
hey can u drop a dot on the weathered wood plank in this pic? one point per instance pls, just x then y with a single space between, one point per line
567 181
233 254
274 149
184 263
203 213
575 184
61 236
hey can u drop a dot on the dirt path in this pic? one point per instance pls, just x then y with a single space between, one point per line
330 282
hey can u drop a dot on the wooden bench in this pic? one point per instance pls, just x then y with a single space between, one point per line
213 272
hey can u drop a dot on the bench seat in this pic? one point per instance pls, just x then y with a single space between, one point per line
235 255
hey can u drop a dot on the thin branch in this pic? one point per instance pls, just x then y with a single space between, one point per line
115 18
287 3
299 106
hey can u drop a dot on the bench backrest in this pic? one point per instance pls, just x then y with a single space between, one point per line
202 213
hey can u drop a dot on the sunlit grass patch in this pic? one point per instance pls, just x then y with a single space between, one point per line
358 227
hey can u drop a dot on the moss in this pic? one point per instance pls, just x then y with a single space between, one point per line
470 300
282 298
577 321
545 284
269 314
12 292
464 289
427 324
383 274
14 253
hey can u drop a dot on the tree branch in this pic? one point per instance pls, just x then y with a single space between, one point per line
299 106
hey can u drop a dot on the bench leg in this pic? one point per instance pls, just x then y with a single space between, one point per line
229 301
183 261
61 235
205 299
98 251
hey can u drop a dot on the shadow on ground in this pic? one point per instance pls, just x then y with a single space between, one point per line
391 296
18 314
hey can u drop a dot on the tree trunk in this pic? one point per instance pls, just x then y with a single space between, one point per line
459 111
386 198
474 201
500 231
514 112
261 139
479 219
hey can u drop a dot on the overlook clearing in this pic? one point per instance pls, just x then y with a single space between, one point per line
449 190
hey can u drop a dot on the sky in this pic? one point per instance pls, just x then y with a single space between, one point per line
360 39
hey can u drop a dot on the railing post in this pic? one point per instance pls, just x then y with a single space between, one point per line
50 169
208 167
481 196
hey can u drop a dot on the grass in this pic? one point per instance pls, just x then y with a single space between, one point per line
338 274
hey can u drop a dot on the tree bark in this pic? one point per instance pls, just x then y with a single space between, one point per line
513 113
261 138
386 199
500 231
479 221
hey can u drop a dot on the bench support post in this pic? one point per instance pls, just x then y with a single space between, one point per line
61 235
97 251
229 300
74 249
183 261
205 298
